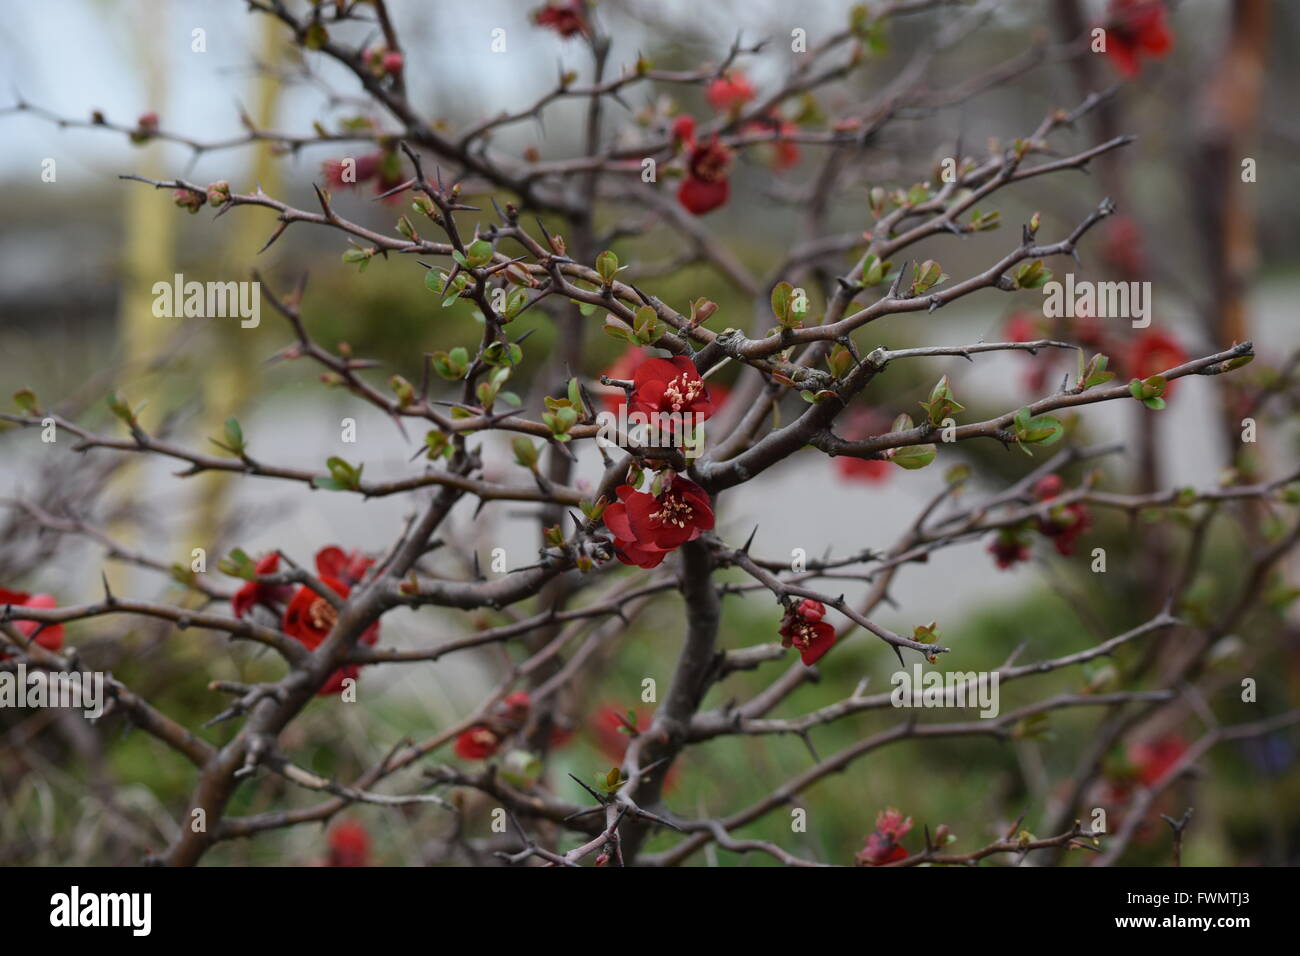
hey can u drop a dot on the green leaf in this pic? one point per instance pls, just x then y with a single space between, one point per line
782 303
617 328
607 266
645 325
525 452
503 354
477 253
1032 275
912 457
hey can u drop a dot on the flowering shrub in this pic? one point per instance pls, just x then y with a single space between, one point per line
638 475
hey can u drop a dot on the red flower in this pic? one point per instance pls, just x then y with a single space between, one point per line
624 367
564 18
51 636
1048 487
684 130
1136 28
883 845
1153 759
670 386
1065 526
349 567
859 424
362 169
785 153
730 92
254 592
1154 351
349 845
309 618
646 527
1021 327
477 743
873 470
803 628
385 168
706 186
1009 548
515 706
611 740
1123 246
607 725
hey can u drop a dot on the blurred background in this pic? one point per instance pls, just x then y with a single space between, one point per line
79 255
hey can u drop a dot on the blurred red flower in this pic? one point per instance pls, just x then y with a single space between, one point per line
50 637
349 845
1134 29
254 592
883 845
477 743
565 18
730 92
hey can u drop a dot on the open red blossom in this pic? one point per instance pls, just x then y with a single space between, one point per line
349 845
646 527
348 567
730 92
564 18
803 629
1136 28
51 636
254 592
883 845
309 618
706 186
671 386
477 743
625 366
